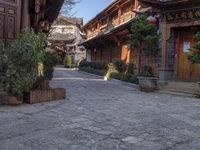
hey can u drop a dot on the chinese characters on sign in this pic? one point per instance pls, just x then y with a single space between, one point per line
183 14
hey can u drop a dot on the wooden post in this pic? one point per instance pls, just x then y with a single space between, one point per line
136 2
139 60
120 14
25 14
164 44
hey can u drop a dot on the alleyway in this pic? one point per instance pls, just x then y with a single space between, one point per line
101 115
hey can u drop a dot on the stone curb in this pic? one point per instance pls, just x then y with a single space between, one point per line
112 80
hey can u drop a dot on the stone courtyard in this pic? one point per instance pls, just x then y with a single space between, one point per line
100 115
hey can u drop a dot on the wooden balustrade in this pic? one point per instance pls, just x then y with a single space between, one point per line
113 23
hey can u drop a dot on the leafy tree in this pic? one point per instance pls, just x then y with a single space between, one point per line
195 57
144 38
22 59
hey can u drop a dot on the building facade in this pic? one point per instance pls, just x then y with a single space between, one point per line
108 32
179 22
16 15
65 35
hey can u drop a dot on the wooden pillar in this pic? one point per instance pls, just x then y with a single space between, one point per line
25 22
37 10
136 2
108 21
164 43
120 13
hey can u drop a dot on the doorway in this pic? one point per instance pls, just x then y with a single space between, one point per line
184 45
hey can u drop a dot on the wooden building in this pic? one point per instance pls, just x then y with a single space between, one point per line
65 35
16 15
108 32
179 22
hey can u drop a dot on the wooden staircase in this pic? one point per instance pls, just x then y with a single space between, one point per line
180 87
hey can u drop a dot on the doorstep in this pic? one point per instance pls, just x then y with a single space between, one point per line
190 88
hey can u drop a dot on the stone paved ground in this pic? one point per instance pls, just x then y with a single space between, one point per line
102 115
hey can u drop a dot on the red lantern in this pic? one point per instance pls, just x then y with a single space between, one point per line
152 20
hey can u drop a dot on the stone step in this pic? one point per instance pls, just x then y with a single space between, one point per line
182 87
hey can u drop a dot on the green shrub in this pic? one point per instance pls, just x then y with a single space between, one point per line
114 70
83 63
50 60
195 57
68 61
94 65
22 59
131 68
147 71
120 66
125 77
93 71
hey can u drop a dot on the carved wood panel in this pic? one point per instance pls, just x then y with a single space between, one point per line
9 19
10 12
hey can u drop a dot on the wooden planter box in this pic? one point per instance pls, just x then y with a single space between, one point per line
39 96
3 98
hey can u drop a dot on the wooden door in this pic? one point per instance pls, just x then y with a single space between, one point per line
10 12
185 70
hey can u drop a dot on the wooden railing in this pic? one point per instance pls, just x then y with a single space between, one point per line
115 22
127 16
92 34
112 24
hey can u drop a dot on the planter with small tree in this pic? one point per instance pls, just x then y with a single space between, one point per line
195 57
144 39
28 69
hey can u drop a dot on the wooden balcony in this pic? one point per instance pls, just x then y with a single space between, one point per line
127 17
92 34
112 24
116 22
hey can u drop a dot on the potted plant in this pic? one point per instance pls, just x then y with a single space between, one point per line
147 81
144 39
195 57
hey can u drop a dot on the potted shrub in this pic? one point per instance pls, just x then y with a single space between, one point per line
144 39
21 63
195 57
147 82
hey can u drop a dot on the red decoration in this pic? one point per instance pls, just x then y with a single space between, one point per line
152 20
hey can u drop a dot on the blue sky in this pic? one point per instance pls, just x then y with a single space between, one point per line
89 8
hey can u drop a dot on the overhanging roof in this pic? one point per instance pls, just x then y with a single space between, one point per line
51 10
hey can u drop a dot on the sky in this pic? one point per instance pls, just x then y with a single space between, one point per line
89 8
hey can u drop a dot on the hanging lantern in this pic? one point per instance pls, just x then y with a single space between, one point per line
152 20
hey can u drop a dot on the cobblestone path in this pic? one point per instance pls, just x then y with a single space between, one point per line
99 115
